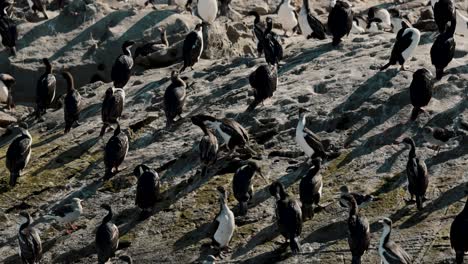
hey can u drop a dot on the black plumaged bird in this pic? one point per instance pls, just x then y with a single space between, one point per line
264 81
311 26
193 47
242 184
257 32
416 170
208 146
358 229
112 107
30 245
459 234
122 68
438 136
148 187
224 224
18 153
340 21
38 6
115 152
288 216
45 89
421 91
6 83
72 103
389 251
107 237
444 12
233 133
310 189
407 40
153 46
271 46
360 198
8 31
174 98
443 49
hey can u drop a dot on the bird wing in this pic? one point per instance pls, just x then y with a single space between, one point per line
63 210
114 150
234 128
317 27
412 170
18 151
313 141
403 41
298 215
394 254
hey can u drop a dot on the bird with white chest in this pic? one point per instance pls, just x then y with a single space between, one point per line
207 10
287 16
224 224
307 140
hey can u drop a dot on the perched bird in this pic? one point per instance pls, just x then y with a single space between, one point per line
287 16
438 136
361 199
233 133
152 46
271 47
72 103
459 234
6 83
443 49
208 146
257 32
444 12
115 152
107 237
309 142
340 21
30 245
68 213
148 187
8 32
416 170
242 184
359 25
421 91
224 224
407 40
288 216
264 81
36 5
358 229
112 107
207 10
18 153
193 47
174 98
311 26
185 5
310 189
122 68
389 251
378 16
45 89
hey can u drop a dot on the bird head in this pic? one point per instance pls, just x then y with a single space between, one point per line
222 192
128 43
317 161
23 125
408 140
255 166
277 190
106 207
25 214
344 189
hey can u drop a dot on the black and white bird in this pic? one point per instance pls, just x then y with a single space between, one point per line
444 12
443 49
18 153
358 229
233 133
359 25
208 146
153 46
308 141
68 213
407 40
389 251
224 224
207 10
421 91
257 31
438 136
148 187
122 68
36 5
287 17
30 245
6 84
193 47
416 170
72 103
242 184
112 107
264 81
174 98
272 48
378 17
8 32
459 234
115 152
288 216
361 199
45 89
340 21
395 19
310 189
107 237
311 26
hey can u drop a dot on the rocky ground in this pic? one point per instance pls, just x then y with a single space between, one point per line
362 111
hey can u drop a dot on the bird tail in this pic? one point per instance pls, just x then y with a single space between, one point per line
415 112
356 260
243 208
294 244
459 257
307 211
419 202
336 41
439 73
13 178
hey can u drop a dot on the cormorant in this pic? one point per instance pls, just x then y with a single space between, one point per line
30 245
224 224
18 153
193 47
112 107
271 47
311 26
122 68
287 16
6 83
115 152
421 91
72 103
416 170
208 146
8 31
207 10
174 98
310 189
309 142
242 184
340 21
444 12
45 91
148 187
107 237
264 81
443 49
389 251
459 234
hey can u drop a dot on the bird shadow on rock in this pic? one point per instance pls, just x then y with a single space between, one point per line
266 234
391 183
328 233
194 236
304 57
386 167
